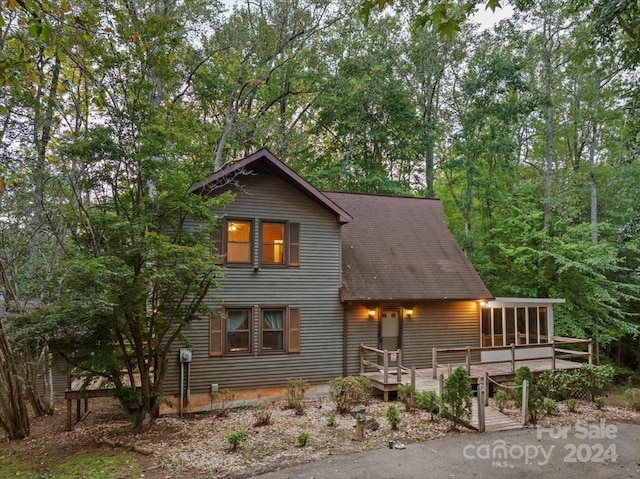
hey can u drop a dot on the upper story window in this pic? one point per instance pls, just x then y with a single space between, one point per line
238 241
279 243
273 243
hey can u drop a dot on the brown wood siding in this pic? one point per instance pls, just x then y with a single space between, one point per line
439 324
313 287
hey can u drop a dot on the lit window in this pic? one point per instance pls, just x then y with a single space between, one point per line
273 245
238 241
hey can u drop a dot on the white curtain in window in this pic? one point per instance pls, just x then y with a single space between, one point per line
237 320
273 320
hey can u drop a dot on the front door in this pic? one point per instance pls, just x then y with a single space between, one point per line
389 333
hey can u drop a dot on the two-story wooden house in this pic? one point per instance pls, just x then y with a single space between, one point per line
310 276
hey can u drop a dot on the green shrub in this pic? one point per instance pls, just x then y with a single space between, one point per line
502 399
350 391
428 401
599 402
535 396
331 421
303 437
407 396
632 398
550 407
262 414
393 416
571 404
586 382
235 438
296 390
455 403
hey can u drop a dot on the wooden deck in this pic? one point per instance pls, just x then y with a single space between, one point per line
497 371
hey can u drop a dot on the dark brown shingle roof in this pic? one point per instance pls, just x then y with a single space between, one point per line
400 248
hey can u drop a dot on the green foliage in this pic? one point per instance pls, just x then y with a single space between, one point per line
632 398
588 380
235 438
571 404
599 402
262 414
536 398
455 402
428 401
303 437
502 399
407 396
393 416
350 391
332 421
296 390
550 407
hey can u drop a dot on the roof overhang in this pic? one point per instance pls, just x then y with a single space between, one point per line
522 302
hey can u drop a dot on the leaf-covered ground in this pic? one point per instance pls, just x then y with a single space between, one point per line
197 446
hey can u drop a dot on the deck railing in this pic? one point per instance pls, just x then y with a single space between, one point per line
382 361
559 350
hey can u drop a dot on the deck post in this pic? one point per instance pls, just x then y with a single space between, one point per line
413 377
481 399
434 363
361 358
468 358
553 354
440 385
68 403
385 365
486 388
399 363
513 358
590 351
525 401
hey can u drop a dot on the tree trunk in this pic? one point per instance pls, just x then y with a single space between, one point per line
592 163
14 418
548 176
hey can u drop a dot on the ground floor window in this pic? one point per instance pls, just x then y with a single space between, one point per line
254 330
503 326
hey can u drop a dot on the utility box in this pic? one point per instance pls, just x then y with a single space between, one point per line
185 355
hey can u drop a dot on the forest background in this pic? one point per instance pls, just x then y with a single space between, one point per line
528 131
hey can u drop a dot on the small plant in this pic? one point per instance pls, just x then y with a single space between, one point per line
571 404
393 416
456 397
599 402
534 404
303 437
262 414
222 401
235 438
550 407
331 421
295 395
502 399
428 401
632 398
350 391
407 395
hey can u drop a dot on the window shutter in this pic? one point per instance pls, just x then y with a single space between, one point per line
215 334
216 243
294 244
293 343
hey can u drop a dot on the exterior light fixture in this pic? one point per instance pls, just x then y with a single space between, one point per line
409 312
372 313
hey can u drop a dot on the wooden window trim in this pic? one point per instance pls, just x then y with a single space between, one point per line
249 351
291 244
225 242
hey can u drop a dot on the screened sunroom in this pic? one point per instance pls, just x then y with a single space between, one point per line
517 321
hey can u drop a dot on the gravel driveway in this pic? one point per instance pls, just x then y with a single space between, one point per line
597 450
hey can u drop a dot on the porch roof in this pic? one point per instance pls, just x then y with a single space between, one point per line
400 249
